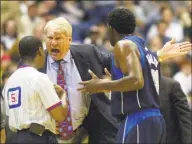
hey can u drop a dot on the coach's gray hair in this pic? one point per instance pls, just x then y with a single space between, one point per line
61 24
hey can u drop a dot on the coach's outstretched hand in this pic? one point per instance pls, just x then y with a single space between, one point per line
172 49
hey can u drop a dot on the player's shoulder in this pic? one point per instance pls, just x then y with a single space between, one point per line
125 44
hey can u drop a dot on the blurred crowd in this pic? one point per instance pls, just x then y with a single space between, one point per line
157 22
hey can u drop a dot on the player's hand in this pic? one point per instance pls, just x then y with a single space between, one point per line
107 77
172 49
93 85
59 90
90 86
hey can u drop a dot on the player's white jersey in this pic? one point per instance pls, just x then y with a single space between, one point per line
29 95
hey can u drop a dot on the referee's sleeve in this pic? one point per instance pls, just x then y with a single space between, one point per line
47 92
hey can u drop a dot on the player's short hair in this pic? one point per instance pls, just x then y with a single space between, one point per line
122 20
61 24
28 46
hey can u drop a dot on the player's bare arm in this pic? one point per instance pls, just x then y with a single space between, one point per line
127 55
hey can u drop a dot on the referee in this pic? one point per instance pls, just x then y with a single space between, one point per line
31 102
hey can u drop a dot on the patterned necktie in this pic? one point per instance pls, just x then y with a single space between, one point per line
65 127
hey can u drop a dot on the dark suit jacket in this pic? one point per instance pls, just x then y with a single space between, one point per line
176 112
89 57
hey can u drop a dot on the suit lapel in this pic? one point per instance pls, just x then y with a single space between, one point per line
81 63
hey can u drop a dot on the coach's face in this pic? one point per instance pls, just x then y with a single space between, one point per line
57 43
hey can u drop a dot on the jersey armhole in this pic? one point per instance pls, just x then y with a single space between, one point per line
142 58
142 55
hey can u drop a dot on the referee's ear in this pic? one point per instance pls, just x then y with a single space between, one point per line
40 57
40 51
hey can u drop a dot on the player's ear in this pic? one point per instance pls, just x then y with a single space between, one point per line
111 29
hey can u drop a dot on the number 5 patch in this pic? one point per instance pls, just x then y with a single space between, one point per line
14 97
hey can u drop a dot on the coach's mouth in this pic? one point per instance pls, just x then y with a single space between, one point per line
55 51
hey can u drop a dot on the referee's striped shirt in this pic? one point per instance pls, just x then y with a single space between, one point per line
28 96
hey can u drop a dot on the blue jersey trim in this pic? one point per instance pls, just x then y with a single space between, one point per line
138 117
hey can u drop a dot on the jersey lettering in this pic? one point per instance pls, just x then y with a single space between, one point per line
155 76
154 72
152 60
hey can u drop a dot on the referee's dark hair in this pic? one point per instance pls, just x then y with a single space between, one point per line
29 46
122 20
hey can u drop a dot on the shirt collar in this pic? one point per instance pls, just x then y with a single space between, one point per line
65 59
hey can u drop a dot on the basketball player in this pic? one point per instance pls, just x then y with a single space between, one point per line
135 84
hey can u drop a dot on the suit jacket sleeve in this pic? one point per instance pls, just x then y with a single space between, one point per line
183 113
104 59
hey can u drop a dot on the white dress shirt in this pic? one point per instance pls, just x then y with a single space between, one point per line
28 96
79 103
